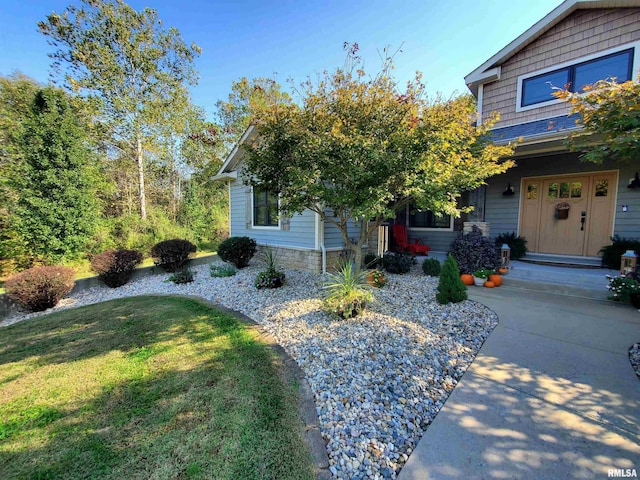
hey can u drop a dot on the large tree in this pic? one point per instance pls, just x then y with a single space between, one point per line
16 96
610 110
135 70
358 149
246 97
56 210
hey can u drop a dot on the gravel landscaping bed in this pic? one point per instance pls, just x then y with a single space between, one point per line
379 379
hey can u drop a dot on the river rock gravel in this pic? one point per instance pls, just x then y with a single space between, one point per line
379 379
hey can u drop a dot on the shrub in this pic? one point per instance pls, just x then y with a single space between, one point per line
611 253
347 293
450 287
115 267
371 260
39 288
182 276
518 245
398 262
237 250
431 267
473 251
376 278
172 255
224 270
622 288
273 276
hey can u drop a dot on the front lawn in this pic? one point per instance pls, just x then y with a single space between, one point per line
145 387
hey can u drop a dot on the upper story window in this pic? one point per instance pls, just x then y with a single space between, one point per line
265 208
538 89
427 219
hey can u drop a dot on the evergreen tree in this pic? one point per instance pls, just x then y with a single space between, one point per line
450 288
56 211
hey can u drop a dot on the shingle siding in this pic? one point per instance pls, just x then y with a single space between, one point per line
584 32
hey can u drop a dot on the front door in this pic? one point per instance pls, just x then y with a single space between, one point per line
568 215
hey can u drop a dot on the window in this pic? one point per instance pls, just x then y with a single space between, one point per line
265 208
538 89
427 219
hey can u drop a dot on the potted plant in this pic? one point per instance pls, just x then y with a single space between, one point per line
481 275
376 278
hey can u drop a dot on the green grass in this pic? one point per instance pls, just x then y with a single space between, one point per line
145 387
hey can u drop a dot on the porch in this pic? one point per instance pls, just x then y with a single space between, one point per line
579 280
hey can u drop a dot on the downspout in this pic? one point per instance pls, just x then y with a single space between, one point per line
320 241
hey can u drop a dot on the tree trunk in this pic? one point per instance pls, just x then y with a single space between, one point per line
139 158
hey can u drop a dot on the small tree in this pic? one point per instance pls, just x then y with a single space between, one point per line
358 150
611 110
450 287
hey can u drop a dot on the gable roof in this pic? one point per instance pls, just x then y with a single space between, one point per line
228 170
490 70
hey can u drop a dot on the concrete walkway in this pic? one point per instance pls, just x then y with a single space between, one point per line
550 395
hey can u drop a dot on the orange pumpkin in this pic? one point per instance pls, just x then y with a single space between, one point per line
503 271
467 279
489 284
496 279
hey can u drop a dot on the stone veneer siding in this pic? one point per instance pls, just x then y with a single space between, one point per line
582 33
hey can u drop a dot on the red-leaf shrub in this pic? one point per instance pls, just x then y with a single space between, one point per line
39 288
172 255
115 267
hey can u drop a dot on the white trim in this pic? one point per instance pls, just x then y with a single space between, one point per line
485 72
231 160
264 227
429 229
226 176
479 102
635 68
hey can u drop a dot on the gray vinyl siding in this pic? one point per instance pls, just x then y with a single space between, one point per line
333 235
301 233
502 211
438 241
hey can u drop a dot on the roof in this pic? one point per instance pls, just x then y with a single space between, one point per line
547 128
490 70
228 170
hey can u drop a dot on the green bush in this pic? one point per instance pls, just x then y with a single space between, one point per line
224 270
611 254
398 262
182 276
518 245
371 260
622 288
237 250
115 267
346 292
450 287
431 267
173 255
39 288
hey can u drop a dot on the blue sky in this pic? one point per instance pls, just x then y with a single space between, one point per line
292 39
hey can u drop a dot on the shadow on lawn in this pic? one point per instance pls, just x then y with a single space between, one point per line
221 412
84 333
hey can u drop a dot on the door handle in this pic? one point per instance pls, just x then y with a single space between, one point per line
583 219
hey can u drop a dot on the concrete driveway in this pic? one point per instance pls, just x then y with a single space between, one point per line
550 395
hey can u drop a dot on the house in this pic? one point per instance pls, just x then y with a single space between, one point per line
564 207
561 205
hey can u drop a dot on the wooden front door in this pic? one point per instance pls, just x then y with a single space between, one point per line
568 215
